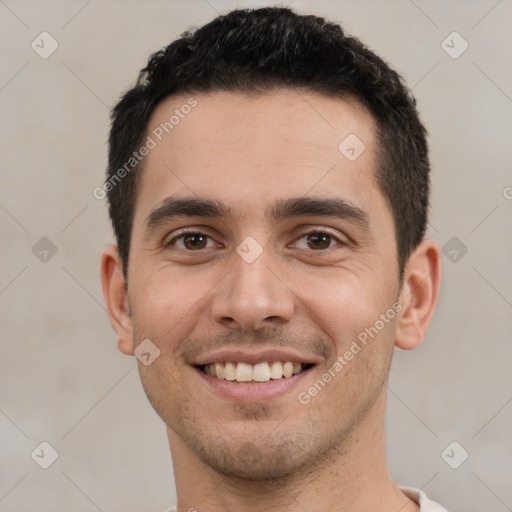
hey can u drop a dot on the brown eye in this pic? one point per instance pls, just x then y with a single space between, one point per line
195 241
319 240
191 241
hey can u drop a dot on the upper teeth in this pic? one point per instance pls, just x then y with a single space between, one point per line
260 372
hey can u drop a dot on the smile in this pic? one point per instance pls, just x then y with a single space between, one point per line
260 372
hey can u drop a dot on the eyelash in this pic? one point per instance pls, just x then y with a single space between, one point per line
186 232
320 231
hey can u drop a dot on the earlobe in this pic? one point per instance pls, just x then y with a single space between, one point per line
419 294
116 298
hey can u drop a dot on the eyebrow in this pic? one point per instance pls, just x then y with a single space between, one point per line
323 207
172 207
338 208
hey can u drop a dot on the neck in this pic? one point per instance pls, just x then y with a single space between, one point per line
347 478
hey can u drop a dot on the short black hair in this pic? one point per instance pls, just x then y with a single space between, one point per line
260 50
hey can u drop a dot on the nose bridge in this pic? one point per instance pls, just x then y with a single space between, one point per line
251 294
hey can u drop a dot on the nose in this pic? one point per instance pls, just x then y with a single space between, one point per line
252 296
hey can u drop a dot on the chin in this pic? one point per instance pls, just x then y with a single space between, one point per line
261 456
252 462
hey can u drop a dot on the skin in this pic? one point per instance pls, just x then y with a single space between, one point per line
299 294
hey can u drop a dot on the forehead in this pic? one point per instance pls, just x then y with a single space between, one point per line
248 150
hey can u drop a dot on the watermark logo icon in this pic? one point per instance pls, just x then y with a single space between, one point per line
351 147
454 455
44 455
454 249
146 352
454 45
44 250
44 45
249 250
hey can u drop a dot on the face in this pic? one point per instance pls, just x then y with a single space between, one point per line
260 254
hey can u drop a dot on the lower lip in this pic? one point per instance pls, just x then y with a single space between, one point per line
253 391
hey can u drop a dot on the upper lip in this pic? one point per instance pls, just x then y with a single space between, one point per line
254 356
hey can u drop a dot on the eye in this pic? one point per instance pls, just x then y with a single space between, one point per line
191 241
318 240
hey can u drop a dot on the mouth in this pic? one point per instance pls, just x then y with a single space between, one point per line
246 373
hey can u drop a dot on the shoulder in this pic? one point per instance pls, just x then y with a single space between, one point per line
421 499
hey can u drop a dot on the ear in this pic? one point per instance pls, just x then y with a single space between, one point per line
116 298
420 290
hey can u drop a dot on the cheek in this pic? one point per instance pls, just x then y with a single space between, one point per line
167 304
344 303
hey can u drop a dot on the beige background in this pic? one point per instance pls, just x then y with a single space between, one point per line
63 380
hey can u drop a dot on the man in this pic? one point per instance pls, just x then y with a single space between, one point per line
268 184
